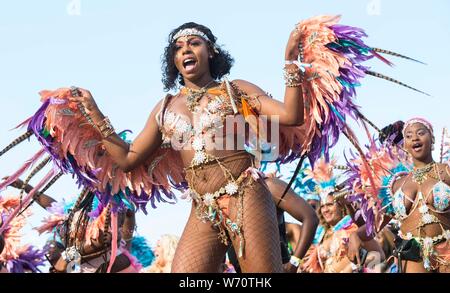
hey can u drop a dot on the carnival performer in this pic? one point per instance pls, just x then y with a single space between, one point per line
71 225
184 143
223 184
329 253
294 244
164 252
15 257
419 200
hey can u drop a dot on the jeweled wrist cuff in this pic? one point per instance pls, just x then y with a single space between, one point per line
70 254
295 261
105 127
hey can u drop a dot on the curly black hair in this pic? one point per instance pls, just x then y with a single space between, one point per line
392 133
219 65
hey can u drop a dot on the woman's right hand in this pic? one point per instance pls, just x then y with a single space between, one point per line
354 244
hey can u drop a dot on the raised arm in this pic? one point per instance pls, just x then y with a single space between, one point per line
126 156
299 209
348 206
291 110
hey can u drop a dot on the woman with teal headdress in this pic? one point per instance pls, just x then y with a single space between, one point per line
329 252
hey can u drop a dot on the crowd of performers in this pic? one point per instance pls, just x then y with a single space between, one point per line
384 210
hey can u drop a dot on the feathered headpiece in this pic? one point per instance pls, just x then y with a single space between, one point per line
323 176
370 182
303 185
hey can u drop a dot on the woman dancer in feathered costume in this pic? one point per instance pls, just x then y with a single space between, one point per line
418 197
329 252
86 225
182 143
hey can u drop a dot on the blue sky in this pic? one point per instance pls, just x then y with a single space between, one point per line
114 48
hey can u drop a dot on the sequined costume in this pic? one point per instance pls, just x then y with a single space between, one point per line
84 229
329 252
426 222
330 63
222 188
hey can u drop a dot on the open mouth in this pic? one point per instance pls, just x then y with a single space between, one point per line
417 147
189 64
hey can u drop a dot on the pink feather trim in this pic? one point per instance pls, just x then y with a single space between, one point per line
322 172
74 136
114 228
11 233
312 262
94 227
50 223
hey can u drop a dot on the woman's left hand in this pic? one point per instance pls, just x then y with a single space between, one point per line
292 50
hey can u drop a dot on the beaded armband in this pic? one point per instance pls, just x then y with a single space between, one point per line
106 128
292 77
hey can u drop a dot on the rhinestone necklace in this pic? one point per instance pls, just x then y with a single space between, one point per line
195 95
419 175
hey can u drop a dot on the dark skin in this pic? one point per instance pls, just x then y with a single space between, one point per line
299 209
418 142
45 202
195 76
128 157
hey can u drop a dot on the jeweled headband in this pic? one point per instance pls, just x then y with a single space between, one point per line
420 120
191 32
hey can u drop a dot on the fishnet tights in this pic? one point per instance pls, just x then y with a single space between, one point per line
262 241
200 249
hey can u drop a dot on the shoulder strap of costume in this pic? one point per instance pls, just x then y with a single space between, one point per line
231 96
162 111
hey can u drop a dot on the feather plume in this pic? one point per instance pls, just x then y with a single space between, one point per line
385 77
16 141
383 51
